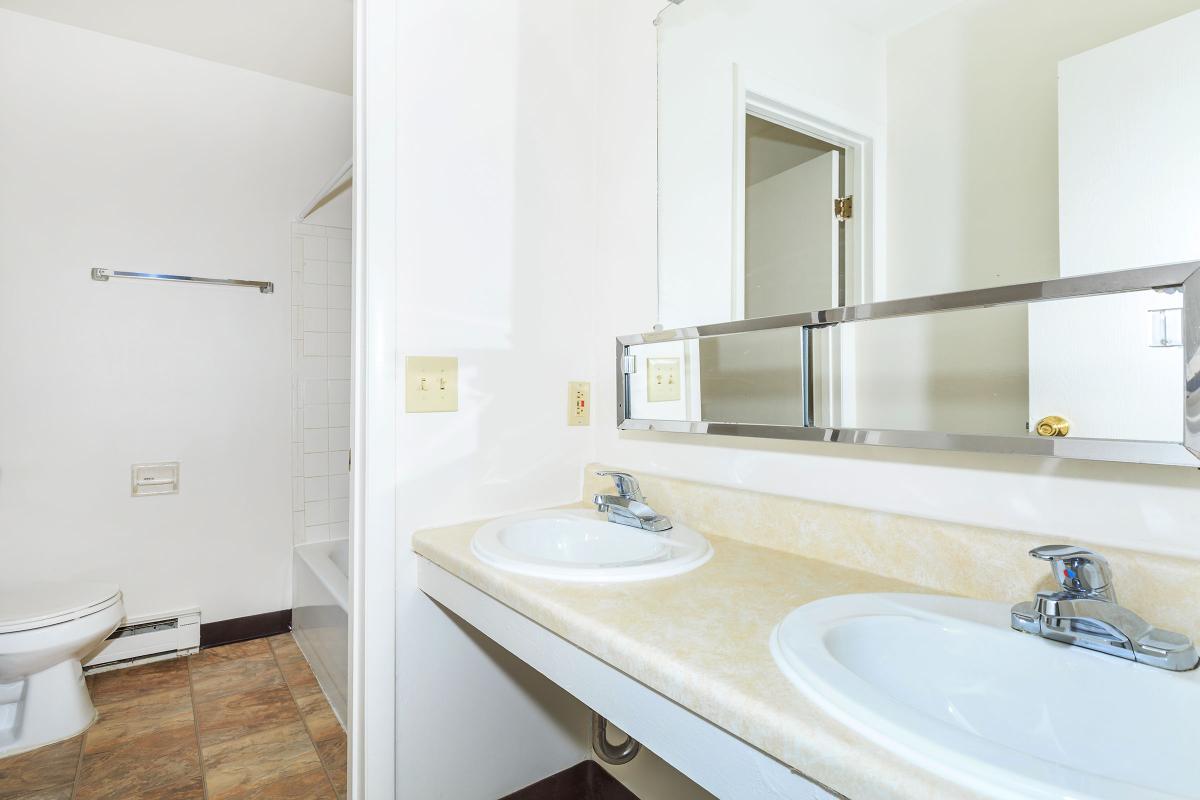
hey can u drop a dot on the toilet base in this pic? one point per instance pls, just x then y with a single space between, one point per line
46 707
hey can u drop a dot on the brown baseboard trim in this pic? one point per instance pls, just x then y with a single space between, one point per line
242 629
587 780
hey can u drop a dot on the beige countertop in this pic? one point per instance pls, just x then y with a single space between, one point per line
701 639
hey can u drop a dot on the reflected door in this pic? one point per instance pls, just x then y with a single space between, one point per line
792 248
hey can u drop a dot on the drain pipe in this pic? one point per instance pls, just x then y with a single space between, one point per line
609 753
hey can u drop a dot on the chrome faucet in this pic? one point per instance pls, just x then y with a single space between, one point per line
1085 613
628 505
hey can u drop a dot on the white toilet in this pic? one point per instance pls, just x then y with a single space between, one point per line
45 630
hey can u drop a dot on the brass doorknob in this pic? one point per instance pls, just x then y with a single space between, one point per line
1053 426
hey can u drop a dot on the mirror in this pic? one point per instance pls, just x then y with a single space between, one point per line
820 162
1104 367
815 154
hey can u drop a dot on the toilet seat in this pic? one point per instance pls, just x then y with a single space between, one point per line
41 605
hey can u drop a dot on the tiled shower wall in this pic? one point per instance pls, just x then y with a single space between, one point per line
321 417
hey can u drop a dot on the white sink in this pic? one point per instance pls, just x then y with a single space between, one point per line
947 684
581 545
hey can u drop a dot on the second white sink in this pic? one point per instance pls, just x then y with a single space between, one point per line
945 682
581 545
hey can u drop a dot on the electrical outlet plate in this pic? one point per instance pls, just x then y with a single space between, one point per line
430 384
662 379
579 403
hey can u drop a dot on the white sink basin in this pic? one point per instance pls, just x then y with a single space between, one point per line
947 684
581 545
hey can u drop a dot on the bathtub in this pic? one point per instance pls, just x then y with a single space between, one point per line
321 615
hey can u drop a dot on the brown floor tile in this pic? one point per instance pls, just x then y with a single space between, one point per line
233 716
333 756
253 649
124 684
41 769
57 793
125 720
319 718
284 644
187 788
213 678
276 763
299 676
150 765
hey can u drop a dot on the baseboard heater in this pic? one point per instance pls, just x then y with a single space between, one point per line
148 638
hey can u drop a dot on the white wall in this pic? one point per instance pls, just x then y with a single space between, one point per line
789 61
124 155
1144 507
496 261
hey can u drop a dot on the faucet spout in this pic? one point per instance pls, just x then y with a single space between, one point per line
1086 614
628 505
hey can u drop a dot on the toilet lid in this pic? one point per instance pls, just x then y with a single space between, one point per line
36 605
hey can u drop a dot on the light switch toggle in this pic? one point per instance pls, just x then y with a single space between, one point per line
151 479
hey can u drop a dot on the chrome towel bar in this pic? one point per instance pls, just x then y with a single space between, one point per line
103 274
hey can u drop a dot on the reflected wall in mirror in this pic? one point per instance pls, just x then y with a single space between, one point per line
1106 366
984 142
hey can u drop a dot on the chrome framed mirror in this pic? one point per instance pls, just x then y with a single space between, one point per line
1112 372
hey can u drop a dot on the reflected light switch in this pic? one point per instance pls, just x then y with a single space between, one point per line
662 379
430 384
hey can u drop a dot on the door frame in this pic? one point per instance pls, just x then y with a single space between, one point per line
858 166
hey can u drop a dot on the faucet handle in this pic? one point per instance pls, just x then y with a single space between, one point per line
1078 571
627 485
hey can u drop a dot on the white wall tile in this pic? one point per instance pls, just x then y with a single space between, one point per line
339 485
297 323
339 530
339 319
338 250
339 367
339 391
316 440
316 488
315 367
339 510
338 344
339 461
316 464
316 417
315 390
316 533
340 417
335 232
296 290
297 428
315 247
297 252
340 438
316 343
339 274
298 494
314 319
316 272
338 296
315 295
316 512
297 453
307 229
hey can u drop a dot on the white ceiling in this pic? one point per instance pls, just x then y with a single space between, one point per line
308 41
886 17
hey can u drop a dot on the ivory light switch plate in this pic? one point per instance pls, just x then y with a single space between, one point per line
579 403
662 379
430 384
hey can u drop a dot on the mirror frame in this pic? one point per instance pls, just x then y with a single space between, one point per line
1185 276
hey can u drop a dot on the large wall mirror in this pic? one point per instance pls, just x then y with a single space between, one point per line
816 155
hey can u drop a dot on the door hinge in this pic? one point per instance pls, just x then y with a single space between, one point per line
843 207
629 365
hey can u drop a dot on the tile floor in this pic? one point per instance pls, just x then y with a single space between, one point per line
245 720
